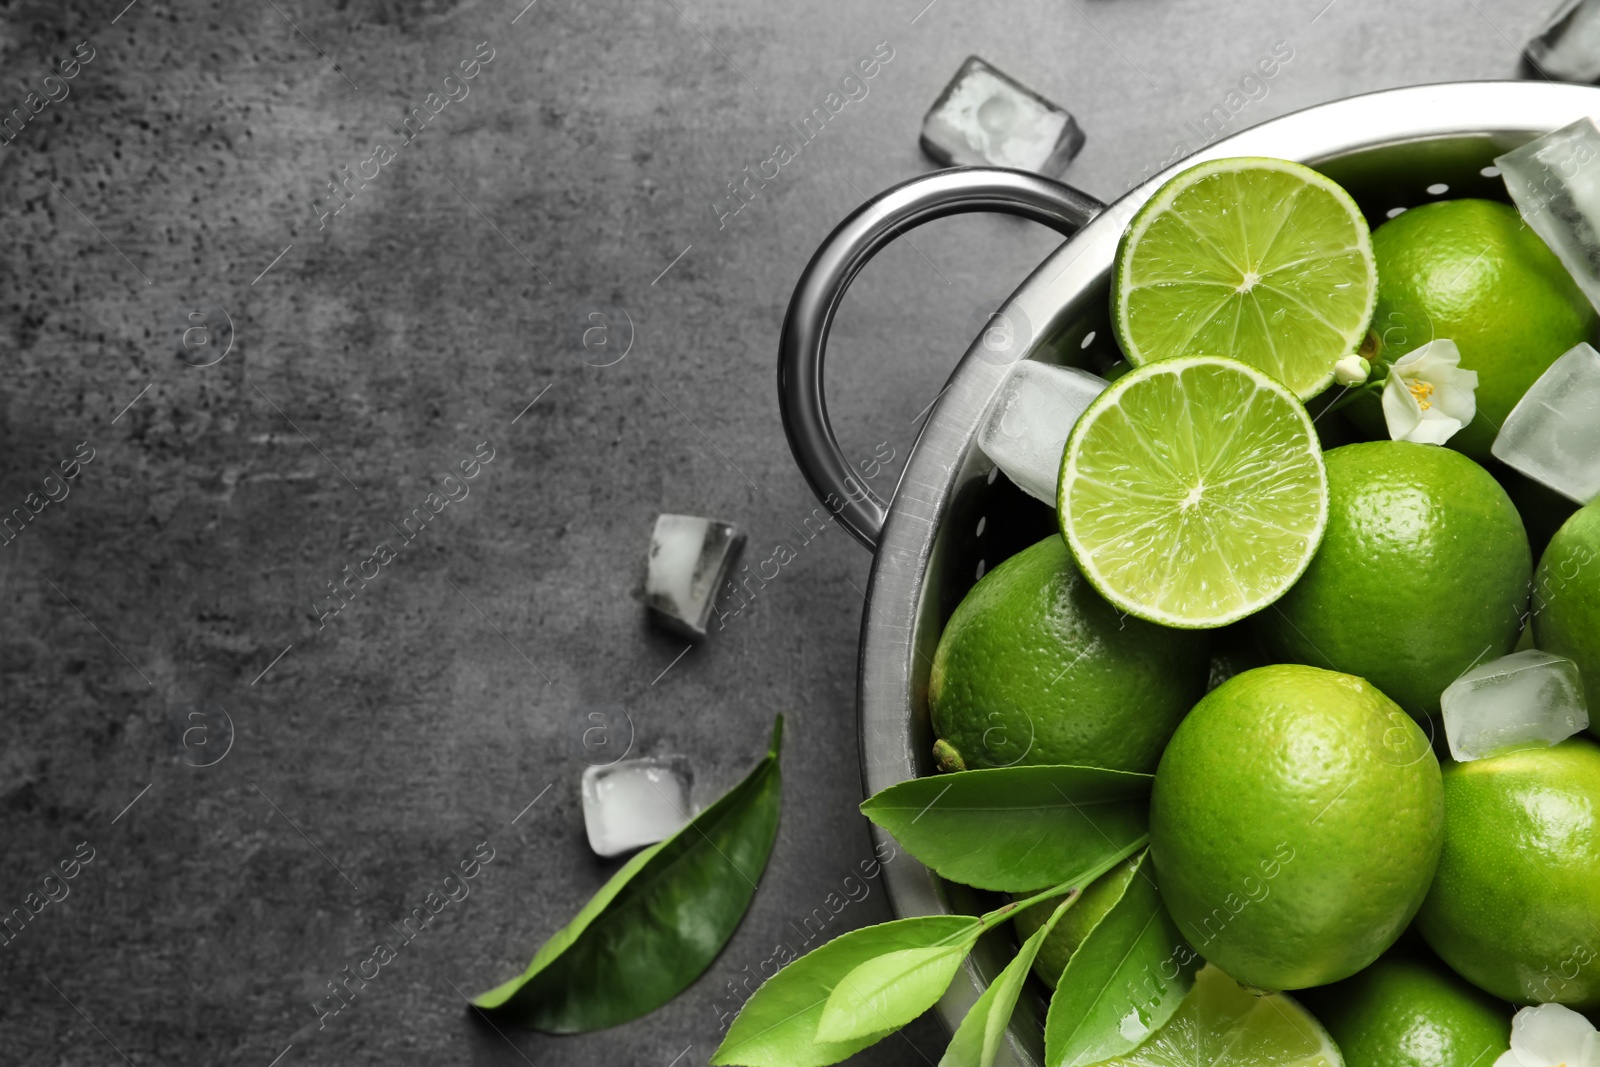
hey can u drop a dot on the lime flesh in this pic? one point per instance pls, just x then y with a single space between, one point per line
1222 1024
1192 492
1262 260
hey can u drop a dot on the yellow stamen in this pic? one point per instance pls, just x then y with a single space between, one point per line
1421 390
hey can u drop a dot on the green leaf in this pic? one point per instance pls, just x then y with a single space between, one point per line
978 1038
1014 829
889 991
1124 981
778 1025
658 923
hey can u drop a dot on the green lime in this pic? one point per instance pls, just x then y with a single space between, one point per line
1192 491
1295 821
1409 1011
1263 260
1222 1024
1075 924
1472 271
1566 599
1033 667
1422 573
1515 907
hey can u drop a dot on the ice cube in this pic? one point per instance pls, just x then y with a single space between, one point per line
1568 46
689 558
986 118
635 802
1555 181
1026 426
1553 434
1518 701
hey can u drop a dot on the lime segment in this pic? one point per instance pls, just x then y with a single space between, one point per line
1192 492
1263 260
1221 1024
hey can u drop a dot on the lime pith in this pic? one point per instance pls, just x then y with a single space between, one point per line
1263 260
1192 492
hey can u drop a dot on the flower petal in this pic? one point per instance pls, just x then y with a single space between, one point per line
1435 428
1590 1056
1550 1034
1457 395
1401 412
1428 359
1509 1058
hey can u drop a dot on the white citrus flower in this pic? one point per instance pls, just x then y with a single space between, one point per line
1428 397
1551 1035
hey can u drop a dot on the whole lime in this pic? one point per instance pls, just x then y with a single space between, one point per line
1034 667
1566 598
1423 571
1472 271
1295 821
1515 906
1410 1011
1075 923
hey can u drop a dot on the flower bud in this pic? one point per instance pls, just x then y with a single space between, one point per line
1351 370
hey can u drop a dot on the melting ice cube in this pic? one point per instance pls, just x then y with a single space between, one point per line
1518 701
1553 434
636 802
986 118
1025 429
1555 181
689 558
1568 46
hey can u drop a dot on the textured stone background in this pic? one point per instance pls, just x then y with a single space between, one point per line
579 175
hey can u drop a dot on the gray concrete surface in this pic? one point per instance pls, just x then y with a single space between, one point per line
372 351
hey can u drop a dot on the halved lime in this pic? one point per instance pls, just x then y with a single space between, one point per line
1192 491
1222 1024
1263 260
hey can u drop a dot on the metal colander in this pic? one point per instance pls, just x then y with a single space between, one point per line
951 517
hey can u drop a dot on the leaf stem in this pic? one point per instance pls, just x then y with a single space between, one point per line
1074 888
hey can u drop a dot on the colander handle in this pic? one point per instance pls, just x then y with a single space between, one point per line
822 285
